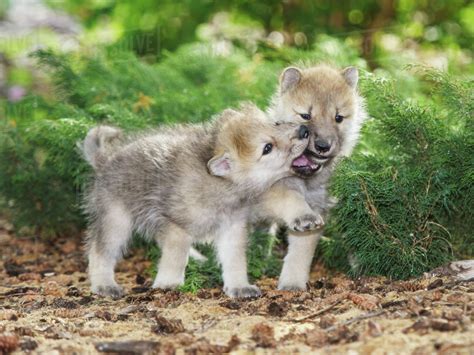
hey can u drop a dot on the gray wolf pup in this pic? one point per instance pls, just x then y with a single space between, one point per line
181 184
326 100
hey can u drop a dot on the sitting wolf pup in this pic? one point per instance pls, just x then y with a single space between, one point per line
327 101
180 184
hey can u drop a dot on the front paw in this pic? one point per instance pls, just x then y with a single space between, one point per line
292 287
249 291
167 285
113 291
306 223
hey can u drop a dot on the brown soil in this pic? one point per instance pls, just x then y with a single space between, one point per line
46 307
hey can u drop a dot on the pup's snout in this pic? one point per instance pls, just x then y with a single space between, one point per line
322 145
303 132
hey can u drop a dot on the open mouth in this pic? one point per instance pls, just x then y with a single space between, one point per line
303 165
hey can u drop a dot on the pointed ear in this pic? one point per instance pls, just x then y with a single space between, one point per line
219 165
351 76
289 79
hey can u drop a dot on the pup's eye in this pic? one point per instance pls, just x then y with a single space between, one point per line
339 118
305 116
267 149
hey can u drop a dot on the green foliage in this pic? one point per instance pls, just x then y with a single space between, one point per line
406 205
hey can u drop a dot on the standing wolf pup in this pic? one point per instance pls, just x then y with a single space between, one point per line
181 184
326 100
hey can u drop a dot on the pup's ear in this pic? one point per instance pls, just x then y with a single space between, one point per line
219 165
289 79
351 76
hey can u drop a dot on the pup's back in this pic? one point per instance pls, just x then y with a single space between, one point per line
146 175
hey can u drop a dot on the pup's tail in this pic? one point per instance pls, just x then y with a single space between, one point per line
97 145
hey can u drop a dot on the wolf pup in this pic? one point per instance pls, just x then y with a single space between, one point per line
326 100
181 184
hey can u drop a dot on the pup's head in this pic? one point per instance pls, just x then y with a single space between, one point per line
254 152
326 100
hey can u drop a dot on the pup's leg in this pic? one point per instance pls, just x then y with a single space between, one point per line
297 264
108 238
290 206
231 243
175 244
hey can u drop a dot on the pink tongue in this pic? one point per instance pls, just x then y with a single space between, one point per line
301 161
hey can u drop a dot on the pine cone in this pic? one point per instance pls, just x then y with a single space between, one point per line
8 343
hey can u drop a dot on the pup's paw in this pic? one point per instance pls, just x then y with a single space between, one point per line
114 291
167 285
292 287
306 223
249 291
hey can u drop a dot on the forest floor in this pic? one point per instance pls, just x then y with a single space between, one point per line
46 307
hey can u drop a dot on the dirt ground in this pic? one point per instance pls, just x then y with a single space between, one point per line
46 308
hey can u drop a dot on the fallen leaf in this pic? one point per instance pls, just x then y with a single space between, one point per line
263 335
374 329
167 326
458 297
8 343
316 338
143 103
277 309
327 321
364 301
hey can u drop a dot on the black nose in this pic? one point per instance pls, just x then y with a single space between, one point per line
303 132
322 145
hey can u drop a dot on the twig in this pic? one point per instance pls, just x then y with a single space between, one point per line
318 313
358 319
21 294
